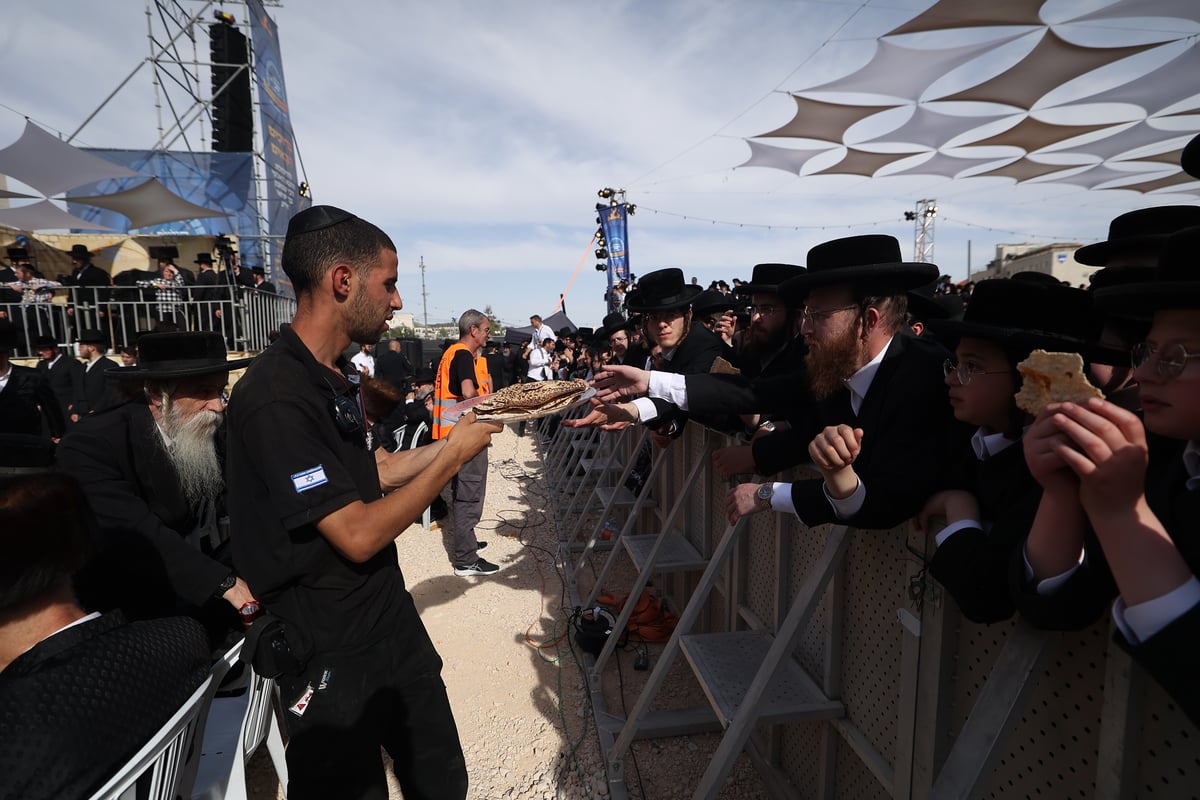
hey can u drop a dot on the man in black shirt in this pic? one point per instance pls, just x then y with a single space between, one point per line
313 530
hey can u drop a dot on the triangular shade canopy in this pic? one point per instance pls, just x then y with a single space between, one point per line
148 204
905 71
789 159
1101 173
1033 134
959 14
1158 88
949 166
44 216
1182 9
1128 139
862 162
825 121
52 166
1023 169
931 129
1053 62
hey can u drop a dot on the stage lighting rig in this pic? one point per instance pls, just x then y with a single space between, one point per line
226 17
303 190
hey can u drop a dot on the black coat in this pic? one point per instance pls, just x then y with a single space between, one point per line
393 367
144 559
694 355
973 564
65 379
78 705
20 399
97 392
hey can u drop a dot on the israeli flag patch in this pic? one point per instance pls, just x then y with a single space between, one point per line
310 478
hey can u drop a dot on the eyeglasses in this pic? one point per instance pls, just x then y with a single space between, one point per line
764 311
814 317
1170 361
964 373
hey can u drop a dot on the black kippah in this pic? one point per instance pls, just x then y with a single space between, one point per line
316 218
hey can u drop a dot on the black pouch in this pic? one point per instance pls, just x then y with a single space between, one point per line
272 648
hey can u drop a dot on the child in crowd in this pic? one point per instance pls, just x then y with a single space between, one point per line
993 499
1140 498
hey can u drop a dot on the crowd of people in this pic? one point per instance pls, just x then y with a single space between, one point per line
180 517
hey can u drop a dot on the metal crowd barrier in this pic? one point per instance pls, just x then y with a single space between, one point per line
899 695
244 316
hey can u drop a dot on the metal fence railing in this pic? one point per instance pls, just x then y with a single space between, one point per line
244 316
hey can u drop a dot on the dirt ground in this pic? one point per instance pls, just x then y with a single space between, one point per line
514 679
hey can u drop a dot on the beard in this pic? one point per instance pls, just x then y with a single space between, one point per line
365 324
193 451
830 363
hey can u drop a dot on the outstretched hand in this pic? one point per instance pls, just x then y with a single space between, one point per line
617 381
606 416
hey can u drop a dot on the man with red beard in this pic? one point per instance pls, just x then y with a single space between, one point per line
152 471
877 423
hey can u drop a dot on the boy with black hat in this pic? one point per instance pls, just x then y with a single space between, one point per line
1138 494
96 395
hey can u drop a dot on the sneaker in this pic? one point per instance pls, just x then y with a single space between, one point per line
480 567
480 544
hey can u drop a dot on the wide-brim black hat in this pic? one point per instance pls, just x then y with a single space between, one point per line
425 375
710 301
1024 314
1173 284
18 254
767 278
662 290
1145 228
79 251
43 341
167 252
1190 160
184 354
93 336
203 258
925 304
612 323
870 263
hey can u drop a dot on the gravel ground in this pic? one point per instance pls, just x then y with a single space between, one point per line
518 691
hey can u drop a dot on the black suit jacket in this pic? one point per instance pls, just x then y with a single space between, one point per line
206 281
144 561
65 379
694 355
25 392
97 392
78 705
973 564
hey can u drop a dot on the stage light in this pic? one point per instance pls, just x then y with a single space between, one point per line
225 16
909 216
601 253
612 202
632 209
601 266
303 189
605 193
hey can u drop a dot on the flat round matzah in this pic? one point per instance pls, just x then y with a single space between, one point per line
515 406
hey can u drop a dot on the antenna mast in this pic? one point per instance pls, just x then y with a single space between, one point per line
424 294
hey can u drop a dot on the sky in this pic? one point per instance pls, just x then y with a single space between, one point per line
477 135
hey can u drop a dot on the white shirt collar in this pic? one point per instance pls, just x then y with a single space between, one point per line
1191 462
987 445
860 382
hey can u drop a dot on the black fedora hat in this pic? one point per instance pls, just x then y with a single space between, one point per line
925 304
425 375
662 290
612 323
1190 160
18 254
871 263
182 354
203 258
79 251
93 336
44 341
585 335
1025 314
710 301
767 278
167 252
1145 228
1173 284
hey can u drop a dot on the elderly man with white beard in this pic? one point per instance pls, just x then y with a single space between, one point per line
152 471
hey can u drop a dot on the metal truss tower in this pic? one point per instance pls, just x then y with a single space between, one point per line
923 218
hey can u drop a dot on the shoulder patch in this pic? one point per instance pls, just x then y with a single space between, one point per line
309 478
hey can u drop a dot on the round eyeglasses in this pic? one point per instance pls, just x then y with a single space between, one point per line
963 373
814 317
1168 362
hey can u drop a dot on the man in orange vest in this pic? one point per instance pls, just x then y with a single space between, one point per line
463 374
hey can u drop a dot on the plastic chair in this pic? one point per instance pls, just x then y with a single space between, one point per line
161 764
237 726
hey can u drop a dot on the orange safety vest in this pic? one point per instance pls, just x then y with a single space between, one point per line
445 395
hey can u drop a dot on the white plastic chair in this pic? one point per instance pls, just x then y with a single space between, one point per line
162 761
236 727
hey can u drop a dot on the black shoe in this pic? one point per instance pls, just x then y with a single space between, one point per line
480 545
480 567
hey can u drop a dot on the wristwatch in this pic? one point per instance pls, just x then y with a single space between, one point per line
764 494
767 426
225 585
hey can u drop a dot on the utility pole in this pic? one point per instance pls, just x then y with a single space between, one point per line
424 294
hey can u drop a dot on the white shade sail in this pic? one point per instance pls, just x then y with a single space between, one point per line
788 159
44 216
148 204
931 129
973 14
52 166
1032 134
862 162
950 166
815 119
1160 87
